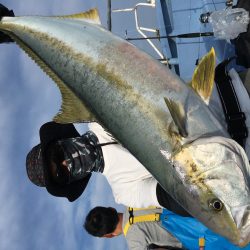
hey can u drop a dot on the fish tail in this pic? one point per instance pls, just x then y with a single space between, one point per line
4 38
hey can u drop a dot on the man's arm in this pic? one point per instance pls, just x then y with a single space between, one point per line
145 193
139 193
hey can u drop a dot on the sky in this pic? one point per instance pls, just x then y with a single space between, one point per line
30 218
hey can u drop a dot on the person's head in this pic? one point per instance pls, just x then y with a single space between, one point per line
49 166
103 222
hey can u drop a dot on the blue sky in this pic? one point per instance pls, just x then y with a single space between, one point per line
30 217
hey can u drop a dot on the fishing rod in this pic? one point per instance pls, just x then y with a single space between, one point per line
188 35
109 20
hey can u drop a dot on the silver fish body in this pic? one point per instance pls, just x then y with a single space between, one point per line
124 89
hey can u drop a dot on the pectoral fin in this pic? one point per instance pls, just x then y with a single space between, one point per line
90 16
203 77
178 114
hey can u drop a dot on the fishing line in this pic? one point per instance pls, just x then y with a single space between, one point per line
199 48
214 4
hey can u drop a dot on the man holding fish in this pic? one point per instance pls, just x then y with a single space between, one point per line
164 123
64 161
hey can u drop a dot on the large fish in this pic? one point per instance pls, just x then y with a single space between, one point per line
164 123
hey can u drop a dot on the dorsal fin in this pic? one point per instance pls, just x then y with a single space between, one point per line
203 77
72 108
91 15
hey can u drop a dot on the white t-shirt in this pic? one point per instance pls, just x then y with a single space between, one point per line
130 181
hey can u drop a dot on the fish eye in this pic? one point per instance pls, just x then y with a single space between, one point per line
216 204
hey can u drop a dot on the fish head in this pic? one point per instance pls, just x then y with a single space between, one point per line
215 172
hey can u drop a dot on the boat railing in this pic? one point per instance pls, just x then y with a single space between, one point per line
141 29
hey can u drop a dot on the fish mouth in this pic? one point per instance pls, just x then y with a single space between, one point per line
236 228
241 217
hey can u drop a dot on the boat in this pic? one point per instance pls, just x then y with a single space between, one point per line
184 32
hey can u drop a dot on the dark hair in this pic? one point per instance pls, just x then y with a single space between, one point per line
101 221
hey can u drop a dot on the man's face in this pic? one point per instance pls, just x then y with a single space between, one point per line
71 160
59 172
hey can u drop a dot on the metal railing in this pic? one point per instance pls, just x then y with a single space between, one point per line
140 29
